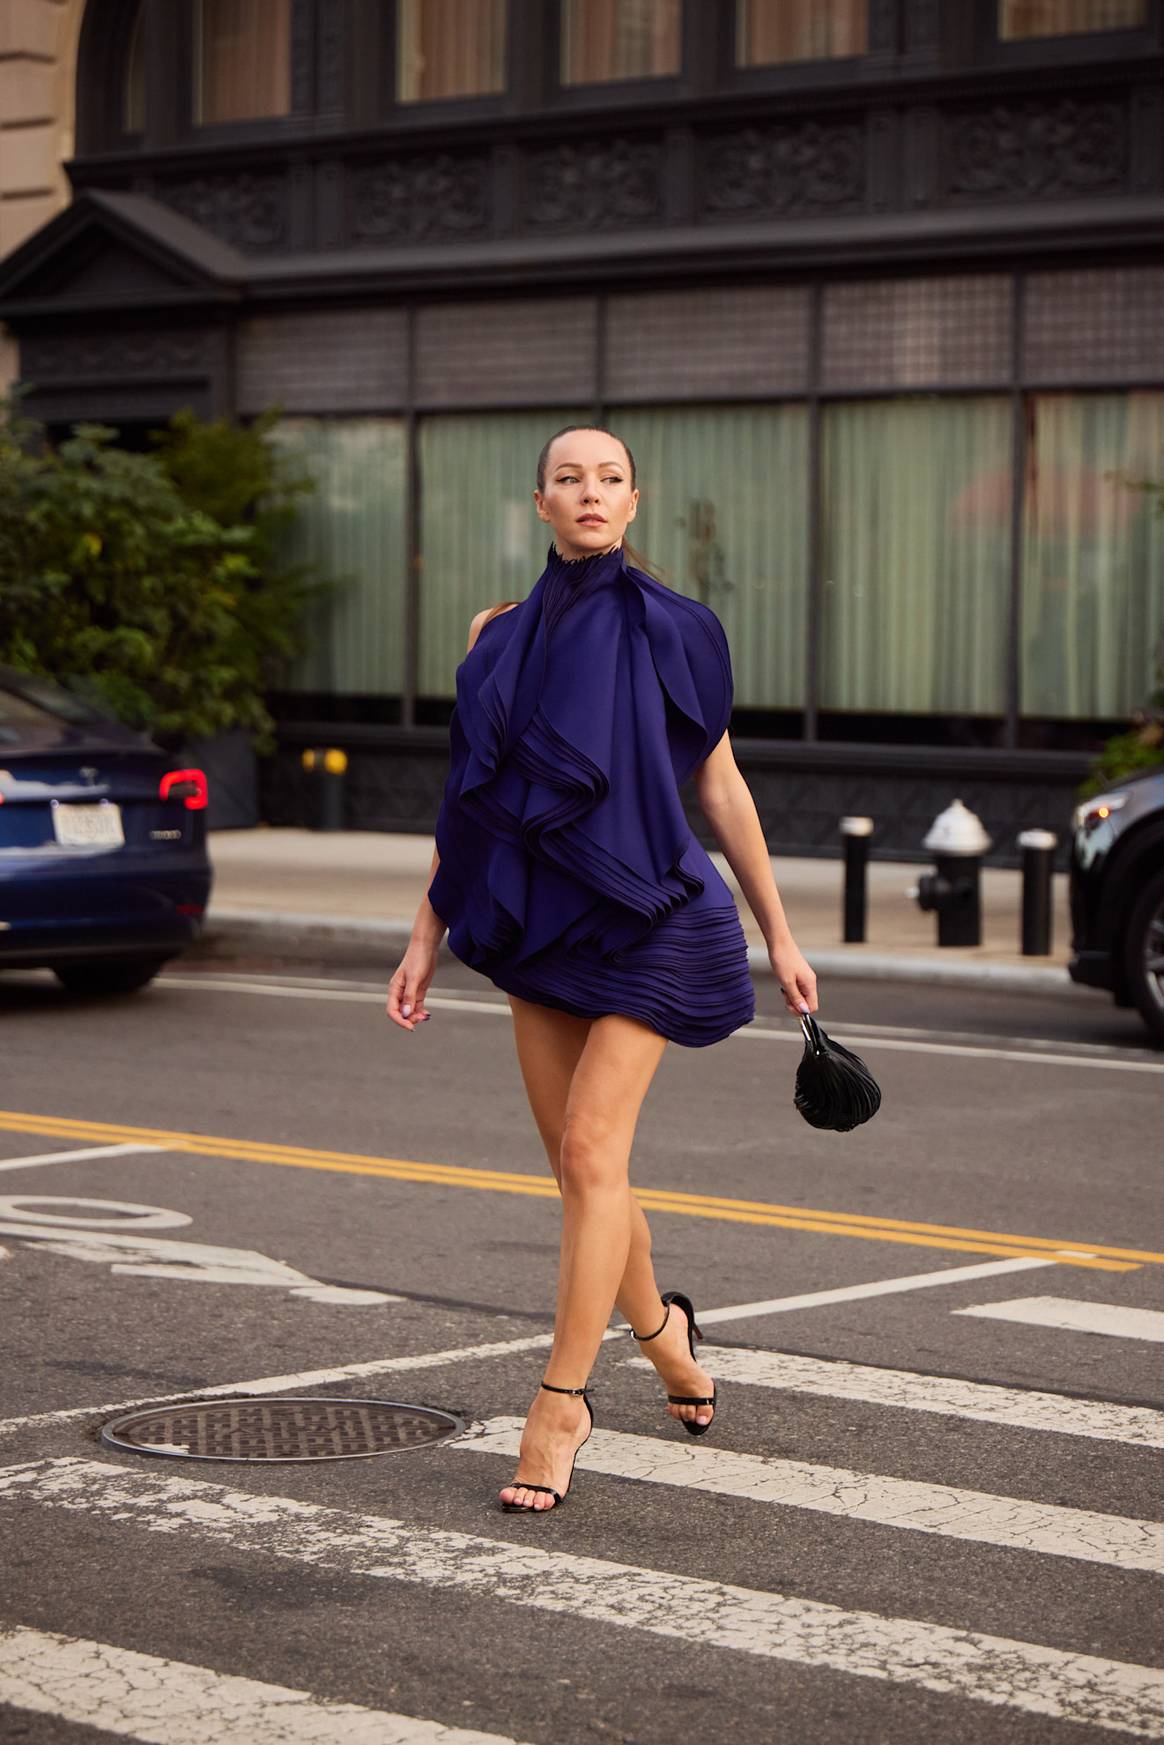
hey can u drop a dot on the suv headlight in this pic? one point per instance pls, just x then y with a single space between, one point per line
1092 813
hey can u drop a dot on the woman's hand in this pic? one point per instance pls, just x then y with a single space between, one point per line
796 976
409 985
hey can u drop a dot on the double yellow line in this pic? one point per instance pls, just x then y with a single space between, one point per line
1070 1252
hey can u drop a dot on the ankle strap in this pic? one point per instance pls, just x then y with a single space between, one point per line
556 1390
644 1337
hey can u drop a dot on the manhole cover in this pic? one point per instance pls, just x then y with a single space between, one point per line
281 1429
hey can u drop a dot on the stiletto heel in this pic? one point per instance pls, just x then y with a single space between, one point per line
558 1496
693 1333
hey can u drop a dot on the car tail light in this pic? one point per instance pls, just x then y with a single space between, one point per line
187 785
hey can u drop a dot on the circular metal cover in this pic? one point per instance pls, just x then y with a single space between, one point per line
313 1428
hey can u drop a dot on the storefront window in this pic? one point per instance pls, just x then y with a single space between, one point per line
915 554
353 527
1023 18
1093 555
243 60
449 48
713 526
619 39
481 539
769 32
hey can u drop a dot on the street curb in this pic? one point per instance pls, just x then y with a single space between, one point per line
229 931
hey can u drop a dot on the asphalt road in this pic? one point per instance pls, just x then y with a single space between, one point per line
912 1520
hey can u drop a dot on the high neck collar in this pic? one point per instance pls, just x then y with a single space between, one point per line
585 567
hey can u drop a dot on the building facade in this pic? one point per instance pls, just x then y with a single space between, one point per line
873 289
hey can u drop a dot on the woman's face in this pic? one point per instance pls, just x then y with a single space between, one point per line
588 498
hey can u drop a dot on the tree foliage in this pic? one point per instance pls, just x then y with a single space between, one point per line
152 582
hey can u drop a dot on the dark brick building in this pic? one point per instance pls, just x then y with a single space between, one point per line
874 289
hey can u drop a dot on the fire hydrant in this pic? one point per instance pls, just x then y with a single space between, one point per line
957 841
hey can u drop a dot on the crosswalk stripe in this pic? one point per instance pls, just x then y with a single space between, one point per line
1065 1313
1011 1523
997 1670
170 1702
1016 1408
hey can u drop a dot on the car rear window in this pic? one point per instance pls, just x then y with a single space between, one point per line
36 703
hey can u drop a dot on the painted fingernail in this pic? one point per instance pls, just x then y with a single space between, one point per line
406 1010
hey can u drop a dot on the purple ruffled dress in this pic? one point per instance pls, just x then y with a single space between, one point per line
568 872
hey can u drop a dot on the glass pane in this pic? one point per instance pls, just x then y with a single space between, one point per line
772 31
449 48
1022 18
243 60
713 526
133 96
915 555
353 527
619 39
481 539
1093 560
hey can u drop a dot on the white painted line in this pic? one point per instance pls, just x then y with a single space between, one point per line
1139 1426
76 1156
881 1287
1011 1523
997 1670
307 1378
170 1702
148 1256
1075 1317
754 1032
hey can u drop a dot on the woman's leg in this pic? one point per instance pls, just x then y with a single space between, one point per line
606 1090
549 1046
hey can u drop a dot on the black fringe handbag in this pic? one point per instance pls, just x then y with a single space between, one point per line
834 1087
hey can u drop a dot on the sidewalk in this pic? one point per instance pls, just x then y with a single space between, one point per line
299 893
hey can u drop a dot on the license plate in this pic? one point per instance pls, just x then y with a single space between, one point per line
88 826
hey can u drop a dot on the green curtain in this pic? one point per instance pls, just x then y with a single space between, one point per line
1093 555
723 517
353 527
915 554
481 539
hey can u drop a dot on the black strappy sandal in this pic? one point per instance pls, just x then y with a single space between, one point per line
693 1333
558 1496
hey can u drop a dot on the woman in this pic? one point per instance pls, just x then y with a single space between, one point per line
565 871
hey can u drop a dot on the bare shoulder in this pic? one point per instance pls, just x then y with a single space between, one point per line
482 618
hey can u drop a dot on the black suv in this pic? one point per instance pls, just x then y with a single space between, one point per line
1117 895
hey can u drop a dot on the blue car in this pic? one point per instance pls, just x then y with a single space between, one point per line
104 873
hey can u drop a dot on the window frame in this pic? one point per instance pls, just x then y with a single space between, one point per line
302 76
611 93
886 41
1076 47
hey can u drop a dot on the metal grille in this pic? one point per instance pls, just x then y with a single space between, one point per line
896 333
281 1429
516 351
704 343
343 361
1095 324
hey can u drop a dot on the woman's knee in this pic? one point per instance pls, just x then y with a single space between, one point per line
592 1158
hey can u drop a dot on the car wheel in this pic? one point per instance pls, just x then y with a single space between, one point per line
1144 953
121 976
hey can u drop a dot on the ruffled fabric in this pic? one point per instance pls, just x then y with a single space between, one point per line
568 872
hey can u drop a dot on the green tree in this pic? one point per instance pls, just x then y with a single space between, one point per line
151 582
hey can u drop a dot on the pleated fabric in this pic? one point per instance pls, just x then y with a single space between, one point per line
568 872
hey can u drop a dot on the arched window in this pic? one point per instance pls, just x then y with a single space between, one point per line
242 60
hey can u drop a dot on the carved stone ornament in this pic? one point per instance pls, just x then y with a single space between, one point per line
248 211
1016 151
111 356
794 167
420 197
594 184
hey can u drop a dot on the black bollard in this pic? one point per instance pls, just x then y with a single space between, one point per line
1038 848
856 832
326 771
